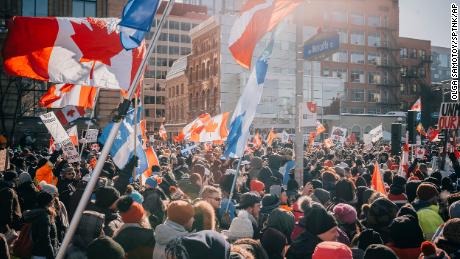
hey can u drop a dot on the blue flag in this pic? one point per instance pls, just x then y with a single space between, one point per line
136 21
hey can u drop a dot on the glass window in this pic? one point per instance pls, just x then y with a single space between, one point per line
357 57
421 53
34 7
182 89
357 19
373 39
443 60
185 39
343 34
340 73
84 8
340 56
185 26
164 37
403 53
357 76
162 62
162 49
412 53
357 95
174 25
373 96
373 78
174 37
357 38
373 21
421 71
357 110
373 58
404 70
339 16
185 51
174 50
325 71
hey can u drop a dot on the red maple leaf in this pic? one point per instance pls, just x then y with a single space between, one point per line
71 113
96 43
211 126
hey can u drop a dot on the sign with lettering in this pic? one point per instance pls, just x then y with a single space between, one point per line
449 116
91 135
321 45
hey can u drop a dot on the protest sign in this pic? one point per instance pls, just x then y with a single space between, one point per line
449 116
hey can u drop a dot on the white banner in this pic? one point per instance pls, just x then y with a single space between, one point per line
309 114
338 134
91 135
60 136
367 141
376 133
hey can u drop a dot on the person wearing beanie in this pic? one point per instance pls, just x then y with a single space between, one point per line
430 251
274 242
282 221
131 211
269 203
316 184
253 246
406 237
205 216
106 198
345 192
411 190
250 202
331 249
366 238
322 196
137 197
240 227
89 228
200 245
347 218
454 210
105 247
379 216
449 241
324 229
379 252
257 186
426 205
27 192
179 221
397 191
154 199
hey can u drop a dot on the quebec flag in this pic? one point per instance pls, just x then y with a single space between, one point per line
245 109
123 145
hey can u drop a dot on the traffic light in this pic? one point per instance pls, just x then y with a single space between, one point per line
396 138
411 124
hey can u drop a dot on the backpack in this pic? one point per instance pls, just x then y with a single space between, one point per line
22 248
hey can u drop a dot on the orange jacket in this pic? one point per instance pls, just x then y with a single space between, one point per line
45 173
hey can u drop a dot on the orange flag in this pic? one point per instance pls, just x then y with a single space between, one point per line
271 136
377 180
257 140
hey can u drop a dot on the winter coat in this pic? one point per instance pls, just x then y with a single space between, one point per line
113 220
27 194
405 253
62 220
153 203
44 233
140 247
303 247
163 234
451 248
10 210
428 218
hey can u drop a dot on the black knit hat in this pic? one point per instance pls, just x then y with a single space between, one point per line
105 247
44 199
10 176
106 196
407 210
316 184
382 212
406 232
368 237
411 190
379 252
318 220
398 186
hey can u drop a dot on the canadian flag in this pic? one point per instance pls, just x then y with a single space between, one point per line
417 106
404 164
432 134
192 130
69 114
257 140
215 129
163 133
81 51
257 17
73 135
61 95
319 128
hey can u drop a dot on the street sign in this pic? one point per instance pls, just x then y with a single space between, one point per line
320 45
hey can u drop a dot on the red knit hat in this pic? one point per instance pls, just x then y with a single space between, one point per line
257 186
134 214
426 191
331 250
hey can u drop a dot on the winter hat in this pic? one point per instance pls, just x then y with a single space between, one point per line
130 211
44 199
137 197
241 227
426 191
411 190
407 210
398 186
90 227
379 252
316 184
269 202
344 190
24 178
454 210
49 188
360 181
248 199
105 247
382 212
345 213
406 232
273 241
367 238
276 190
10 176
203 244
451 231
320 195
106 196
282 221
152 182
331 250
180 212
257 186
324 221
429 250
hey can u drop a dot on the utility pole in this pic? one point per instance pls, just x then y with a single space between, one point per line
299 96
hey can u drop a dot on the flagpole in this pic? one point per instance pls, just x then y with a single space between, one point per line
232 190
122 110
93 112
135 135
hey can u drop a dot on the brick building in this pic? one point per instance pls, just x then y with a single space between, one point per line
177 101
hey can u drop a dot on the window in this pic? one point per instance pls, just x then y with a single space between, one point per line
373 21
443 60
421 71
372 110
340 73
356 110
84 8
404 71
162 62
357 95
185 51
357 76
421 53
343 35
163 37
339 16
403 53
357 57
174 25
373 78
177 90
160 74
182 89
325 71
185 26
185 39
373 39
34 7
162 49
173 50
373 58
412 53
357 38
357 19
340 56
174 37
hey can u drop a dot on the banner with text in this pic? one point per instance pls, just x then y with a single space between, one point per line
449 116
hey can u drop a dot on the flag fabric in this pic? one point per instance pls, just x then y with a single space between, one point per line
245 109
311 138
257 140
421 130
417 106
162 132
215 129
136 21
377 180
52 146
192 130
81 51
284 137
257 17
271 136
61 95
69 113
404 164
73 135
319 128
152 159
432 134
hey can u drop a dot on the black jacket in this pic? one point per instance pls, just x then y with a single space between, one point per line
140 247
44 233
303 247
27 194
10 210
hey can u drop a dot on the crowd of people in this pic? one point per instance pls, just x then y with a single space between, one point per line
191 208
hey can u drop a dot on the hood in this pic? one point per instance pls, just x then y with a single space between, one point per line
167 231
33 215
419 204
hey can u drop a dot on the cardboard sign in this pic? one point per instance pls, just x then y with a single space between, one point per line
338 134
376 133
70 153
91 135
3 160
449 116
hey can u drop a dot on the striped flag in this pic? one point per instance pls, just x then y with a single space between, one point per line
69 114
61 95
417 106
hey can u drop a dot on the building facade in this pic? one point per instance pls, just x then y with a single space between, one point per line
177 101
440 67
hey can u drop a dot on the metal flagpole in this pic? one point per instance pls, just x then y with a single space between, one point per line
135 134
232 190
123 108
93 112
